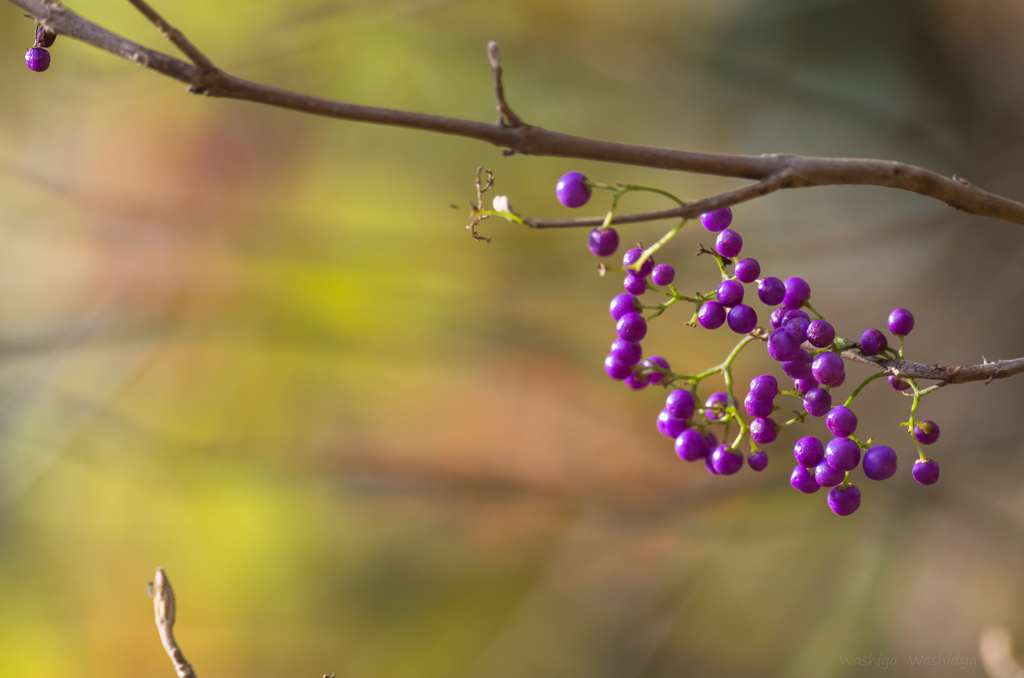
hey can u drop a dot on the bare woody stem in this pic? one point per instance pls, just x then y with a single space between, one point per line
164 608
772 172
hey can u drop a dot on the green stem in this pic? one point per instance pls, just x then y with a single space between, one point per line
814 310
856 391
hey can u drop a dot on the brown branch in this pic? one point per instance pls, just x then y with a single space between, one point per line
797 171
509 118
174 35
164 608
952 374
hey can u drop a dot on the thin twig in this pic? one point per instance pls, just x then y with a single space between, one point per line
175 36
509 118
797 171
164 607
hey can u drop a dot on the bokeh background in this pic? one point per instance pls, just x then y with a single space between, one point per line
260 349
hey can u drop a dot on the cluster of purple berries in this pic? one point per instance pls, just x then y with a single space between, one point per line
37 58
624 361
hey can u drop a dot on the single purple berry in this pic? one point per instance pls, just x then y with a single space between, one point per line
781 346
631 327
623 304
764 387
757 408
747 270
718 220
926 472
897 383
691 445
725 461
632 256
926 432
802 480
796 328
879 462
842 454
710 441
742 319
728 243
826 476
817 402
669 425
844 500
841 421
808 451
820 334
45 38
778 317
730 293
711 315
617 368
873 341
799 367
793 313
771 291
827 368
655 376
603 242
636 381
709 466
628 352
804 386
763 430
840 380
634 284
37 59
758 461
715 405
681 403
797 292
663 274
572 190
901 322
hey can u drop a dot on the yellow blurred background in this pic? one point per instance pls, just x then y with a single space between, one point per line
259 348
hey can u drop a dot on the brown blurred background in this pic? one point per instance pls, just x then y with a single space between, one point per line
259 349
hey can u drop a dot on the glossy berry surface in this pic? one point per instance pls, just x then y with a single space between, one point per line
841 421
817 402
844 500
37 59
632 256
873 342
797 292
728 243
799 367
634 284
805 386
681 404
756 407
742 319
842 454
711 315
45 38
820 333
691 445
781 346
926 432
623 304
802 480
654 377
771 291
758 461
717 220
669 425
725 461
808 451
826 476
714 406
762 430
901 322
730 293
663 274
603 242
636 381
748 270
572 190
796 328
628 352
631 327
764 387
926 472
617 368
827 368
879 462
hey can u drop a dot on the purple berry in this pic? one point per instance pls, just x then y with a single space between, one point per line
840 380
636 381
771 291
634 284
730 293
663 274
901 322
711 315
709 466
820 334
725 461
632 256
691 445
714 406
781 346
742 319
844 500
763 430
748 270
572 190
879 462
764 387
778 317
827 368
729 243
796 328
681 403
873 341
926 432
794 313
669 425
842 454
37 59
898 384
808 451
757 408
802 480
841 421
926 472
628 352
617 368
656 376
710 441
623 304
799 367
817 402
603 242
826 476
631 327
805 386
758 461
718 220
45 38
797 292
